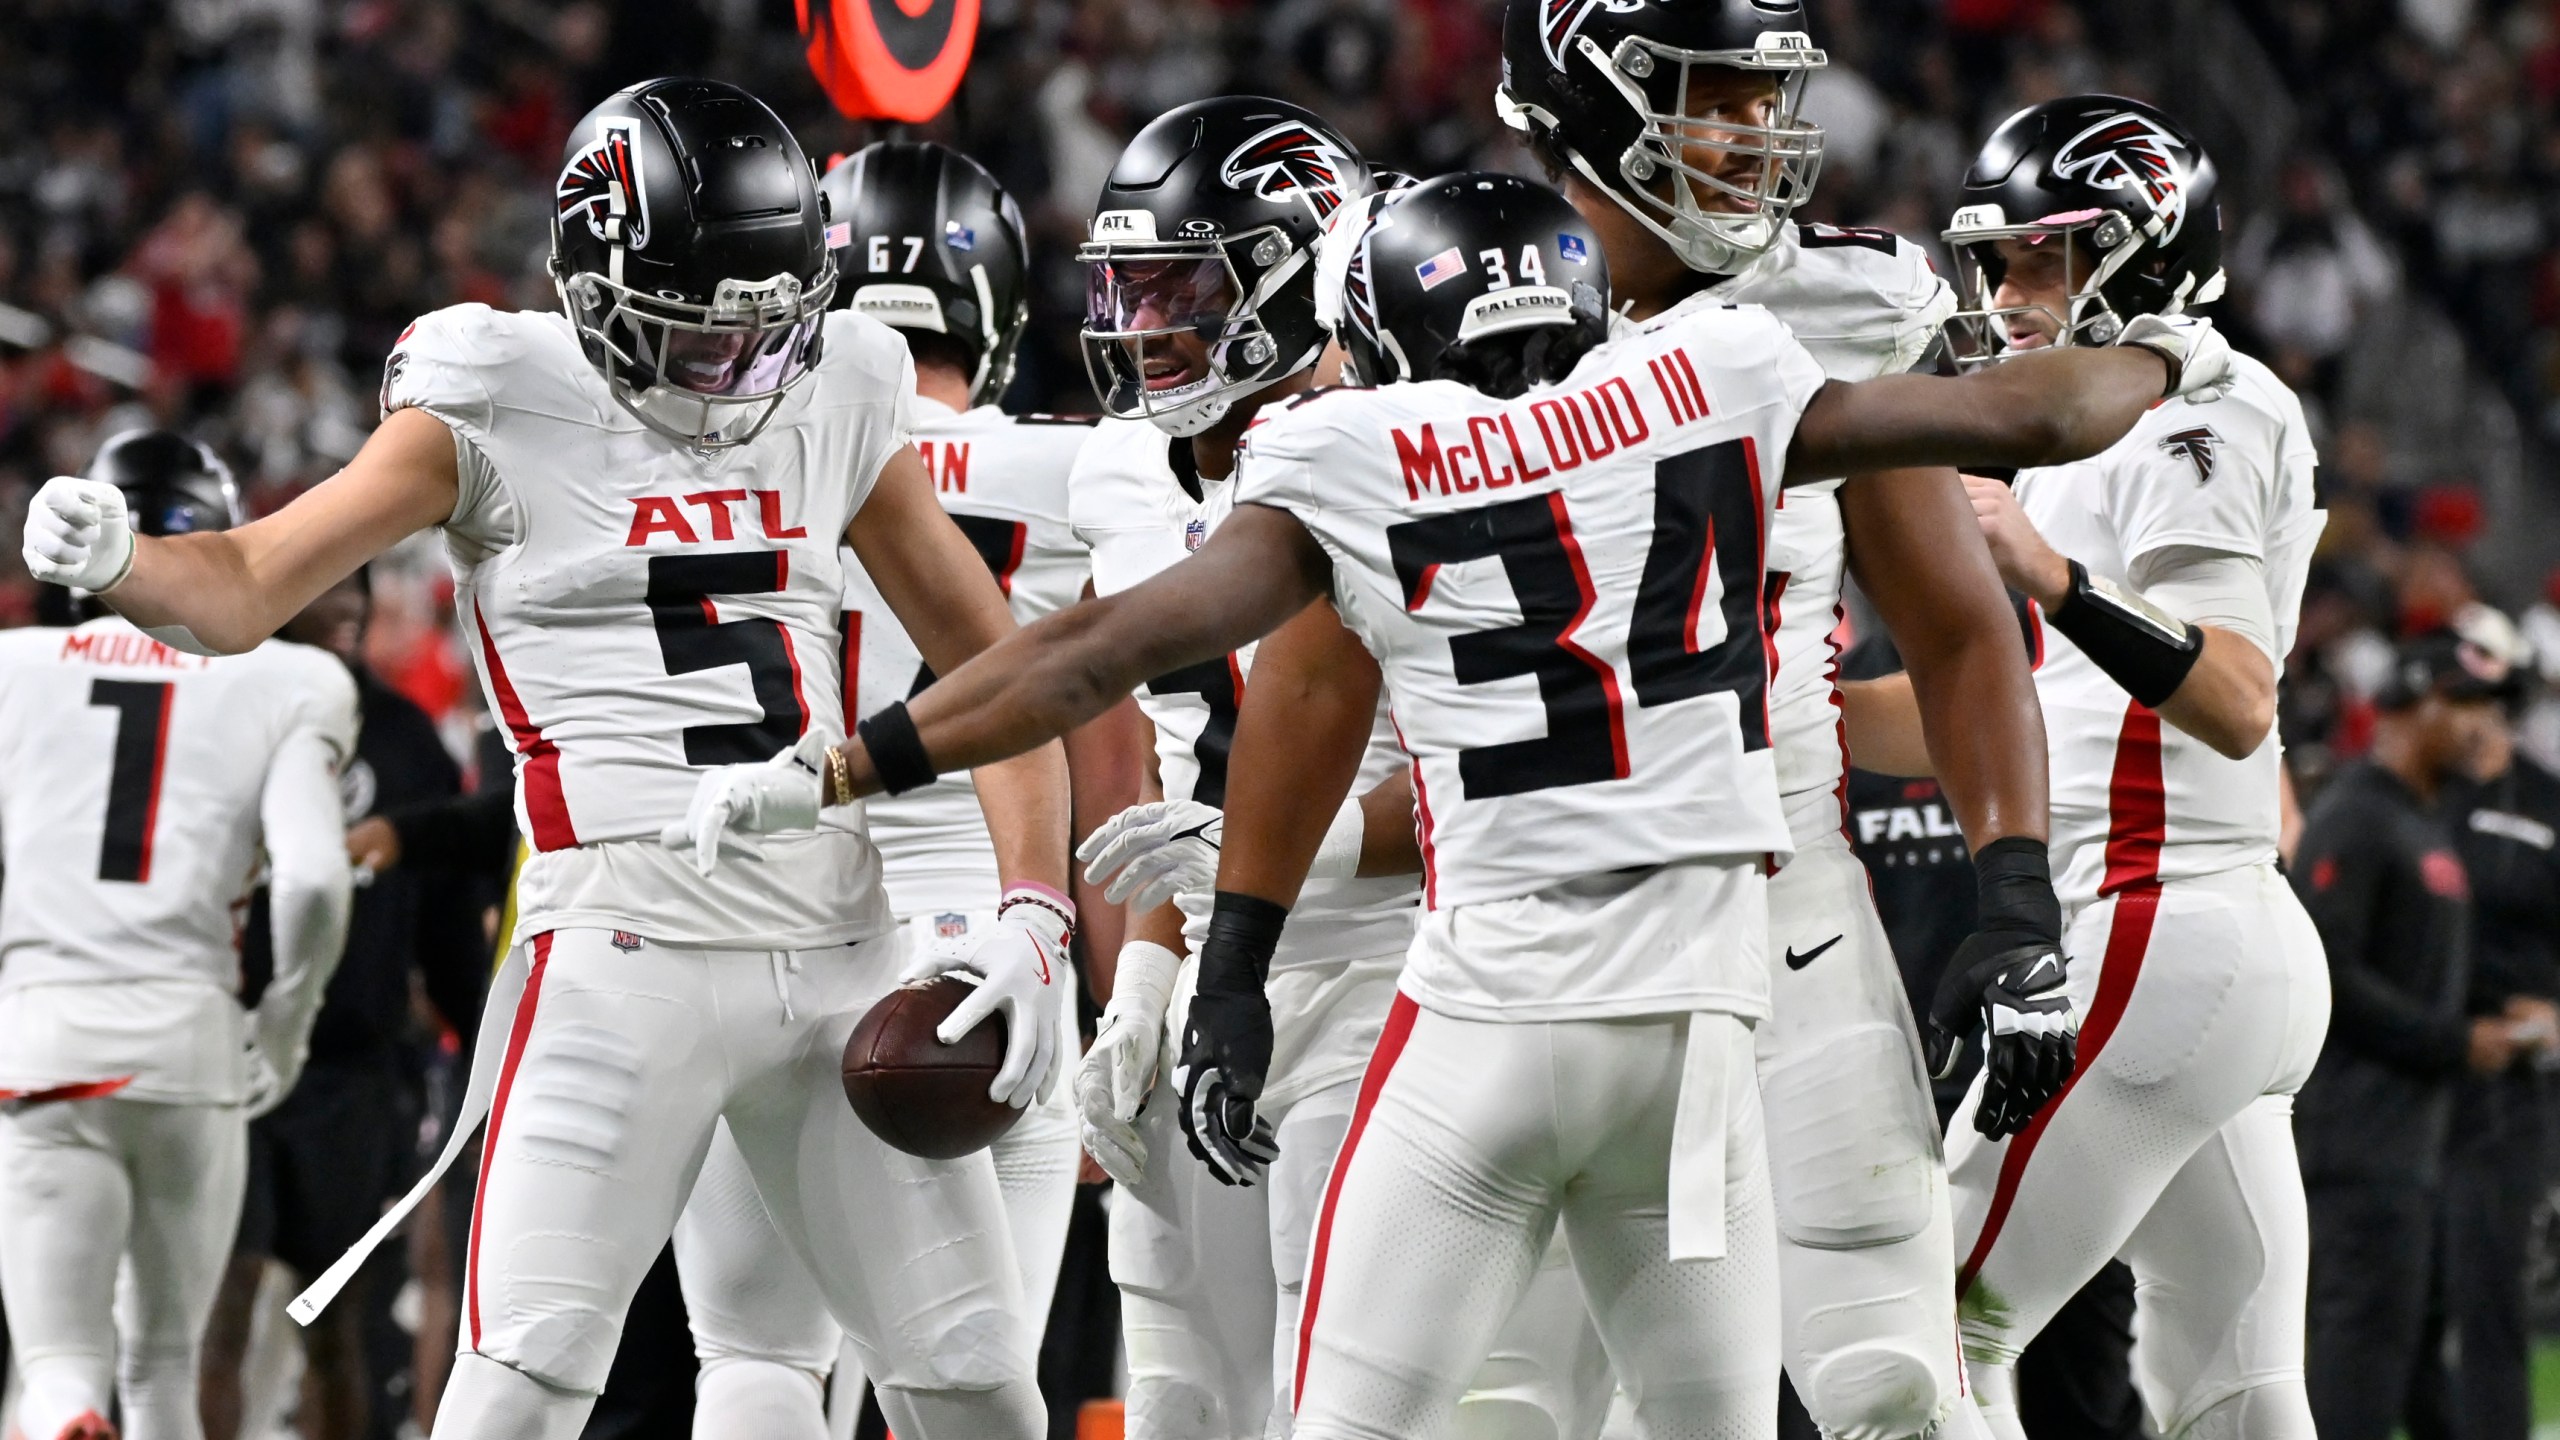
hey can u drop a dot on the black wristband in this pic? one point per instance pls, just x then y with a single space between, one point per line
1244 930
2141 647
2013 879
897 752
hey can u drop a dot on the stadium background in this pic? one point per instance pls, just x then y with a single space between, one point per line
217 215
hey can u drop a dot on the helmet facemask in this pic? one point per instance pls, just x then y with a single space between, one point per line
683 368
1654 179
1979 334
1143 296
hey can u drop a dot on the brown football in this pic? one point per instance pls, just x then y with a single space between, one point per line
915 1092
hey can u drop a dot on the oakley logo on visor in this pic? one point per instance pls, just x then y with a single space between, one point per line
2125 152
602 184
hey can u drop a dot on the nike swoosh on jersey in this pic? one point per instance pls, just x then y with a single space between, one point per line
1798 962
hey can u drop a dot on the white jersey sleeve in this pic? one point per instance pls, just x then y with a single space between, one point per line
130 783
2135 799
1864 303
1138 517
640 610
1003 480
1563 593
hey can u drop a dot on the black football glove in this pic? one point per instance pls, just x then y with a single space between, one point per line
2009 974
1226 1041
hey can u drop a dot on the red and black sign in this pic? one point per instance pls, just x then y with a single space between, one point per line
889 59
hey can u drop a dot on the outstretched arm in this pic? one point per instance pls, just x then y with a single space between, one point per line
1305 724
1257 569
2039 409
230 589
940 591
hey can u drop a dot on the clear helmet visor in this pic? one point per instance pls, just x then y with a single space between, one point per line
1170 335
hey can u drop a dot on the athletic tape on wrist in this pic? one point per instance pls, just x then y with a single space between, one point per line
2013 876
896 750
1244 931
2140 646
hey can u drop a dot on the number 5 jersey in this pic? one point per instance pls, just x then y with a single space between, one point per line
640 611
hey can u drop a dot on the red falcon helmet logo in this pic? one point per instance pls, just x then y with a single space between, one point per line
1290 160
2131 152
602 183
1559 19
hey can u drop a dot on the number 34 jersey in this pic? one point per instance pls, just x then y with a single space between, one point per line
131 778
641 611
1563 591
1003 480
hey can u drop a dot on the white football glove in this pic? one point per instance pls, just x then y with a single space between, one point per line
777 794
1022 973
267 1085
78 534
1113 1080
1149 853
2199 358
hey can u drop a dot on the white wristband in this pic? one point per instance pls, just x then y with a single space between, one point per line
1144 977
1338 858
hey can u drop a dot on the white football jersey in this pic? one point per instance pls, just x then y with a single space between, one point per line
1564 594
2134 799
1003 479
1865 303
1136 516
641 611
130 783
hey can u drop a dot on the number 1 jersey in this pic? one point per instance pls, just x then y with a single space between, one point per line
1564 593
131 777
641 611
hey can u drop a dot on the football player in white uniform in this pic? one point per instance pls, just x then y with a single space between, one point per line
143 792
645 500
2165 573
1204 255
929 244
1672 127
1556 563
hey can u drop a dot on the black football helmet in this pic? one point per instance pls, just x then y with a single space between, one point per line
2126 192
925 240
172 486
1486 279
1605 84
1209 226
689 247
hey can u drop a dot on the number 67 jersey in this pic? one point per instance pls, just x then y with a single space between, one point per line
1563 592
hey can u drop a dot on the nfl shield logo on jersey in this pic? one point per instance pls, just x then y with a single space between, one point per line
1194 533
950 926
625 941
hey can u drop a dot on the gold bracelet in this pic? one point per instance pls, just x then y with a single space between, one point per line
839 776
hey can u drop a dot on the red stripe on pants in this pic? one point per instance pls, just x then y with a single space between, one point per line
523 1027
2137 825
1400 1018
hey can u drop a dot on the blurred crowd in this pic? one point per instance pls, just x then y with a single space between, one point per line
217 215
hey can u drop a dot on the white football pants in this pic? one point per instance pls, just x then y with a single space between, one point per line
1470 1141
116 1220
775 1365
2202 1007
622 1057
1865 1254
